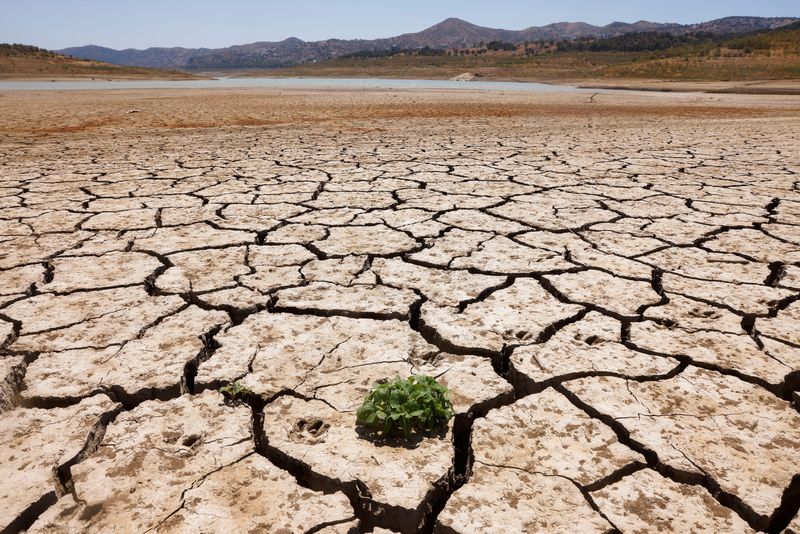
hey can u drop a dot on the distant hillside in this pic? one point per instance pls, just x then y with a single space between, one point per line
731 25
159 58
25 61
758 55
783 40
653 55
450 33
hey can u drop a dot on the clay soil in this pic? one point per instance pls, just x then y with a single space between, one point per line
608 284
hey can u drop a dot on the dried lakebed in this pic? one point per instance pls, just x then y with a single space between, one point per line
615 309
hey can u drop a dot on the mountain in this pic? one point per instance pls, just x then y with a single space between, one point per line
162 58
24 61
450 33
734 25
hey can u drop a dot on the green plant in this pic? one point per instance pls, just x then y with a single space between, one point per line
235 391
417 403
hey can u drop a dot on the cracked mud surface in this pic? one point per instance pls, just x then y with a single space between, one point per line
611 294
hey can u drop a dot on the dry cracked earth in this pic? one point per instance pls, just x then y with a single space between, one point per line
614 307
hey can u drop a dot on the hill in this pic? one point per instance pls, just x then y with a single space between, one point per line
449 33
699 56
24 61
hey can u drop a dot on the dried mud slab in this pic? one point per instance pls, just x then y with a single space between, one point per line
695 316
377 240
712 266
271 353
444 249
255 496
791 278
646 501
355 300
203 270
391 478
34 445
756 244
592 346
794 526
182 464
741 298
152 365
86 319
96 272
783 326
502 255
520 502
339 360
585 254
533 461
734 352
343 271
440 286
18 250
518 313
539 214
185 238
545 433
18 280
618 295
701 423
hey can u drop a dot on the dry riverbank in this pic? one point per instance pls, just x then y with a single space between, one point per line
76 111
607 284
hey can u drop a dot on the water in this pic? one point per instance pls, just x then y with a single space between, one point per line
283 83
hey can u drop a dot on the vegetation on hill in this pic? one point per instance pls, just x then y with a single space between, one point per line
785 39
700 56
685 43
635 42
22 50
448 34
26 61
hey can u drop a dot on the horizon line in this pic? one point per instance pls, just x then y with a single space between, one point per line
412 32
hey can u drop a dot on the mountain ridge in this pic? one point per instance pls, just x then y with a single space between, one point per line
18 61
449 33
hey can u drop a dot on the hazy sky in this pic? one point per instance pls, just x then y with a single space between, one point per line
196 23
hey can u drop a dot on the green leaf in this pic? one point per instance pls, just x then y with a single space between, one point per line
234 391
403 406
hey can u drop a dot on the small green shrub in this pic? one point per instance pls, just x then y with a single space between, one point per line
235 391
418 403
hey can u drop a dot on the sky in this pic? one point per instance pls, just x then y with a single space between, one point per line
56 24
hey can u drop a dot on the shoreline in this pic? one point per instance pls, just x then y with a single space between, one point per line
763 86
47 112
788 87
177 77
760 87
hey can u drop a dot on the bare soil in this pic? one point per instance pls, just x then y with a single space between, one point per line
608 284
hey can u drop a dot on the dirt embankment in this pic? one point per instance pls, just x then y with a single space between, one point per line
57 67
47 112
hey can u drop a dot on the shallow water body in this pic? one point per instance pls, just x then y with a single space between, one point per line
284 83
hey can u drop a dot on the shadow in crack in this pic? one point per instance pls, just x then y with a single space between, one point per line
412 441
